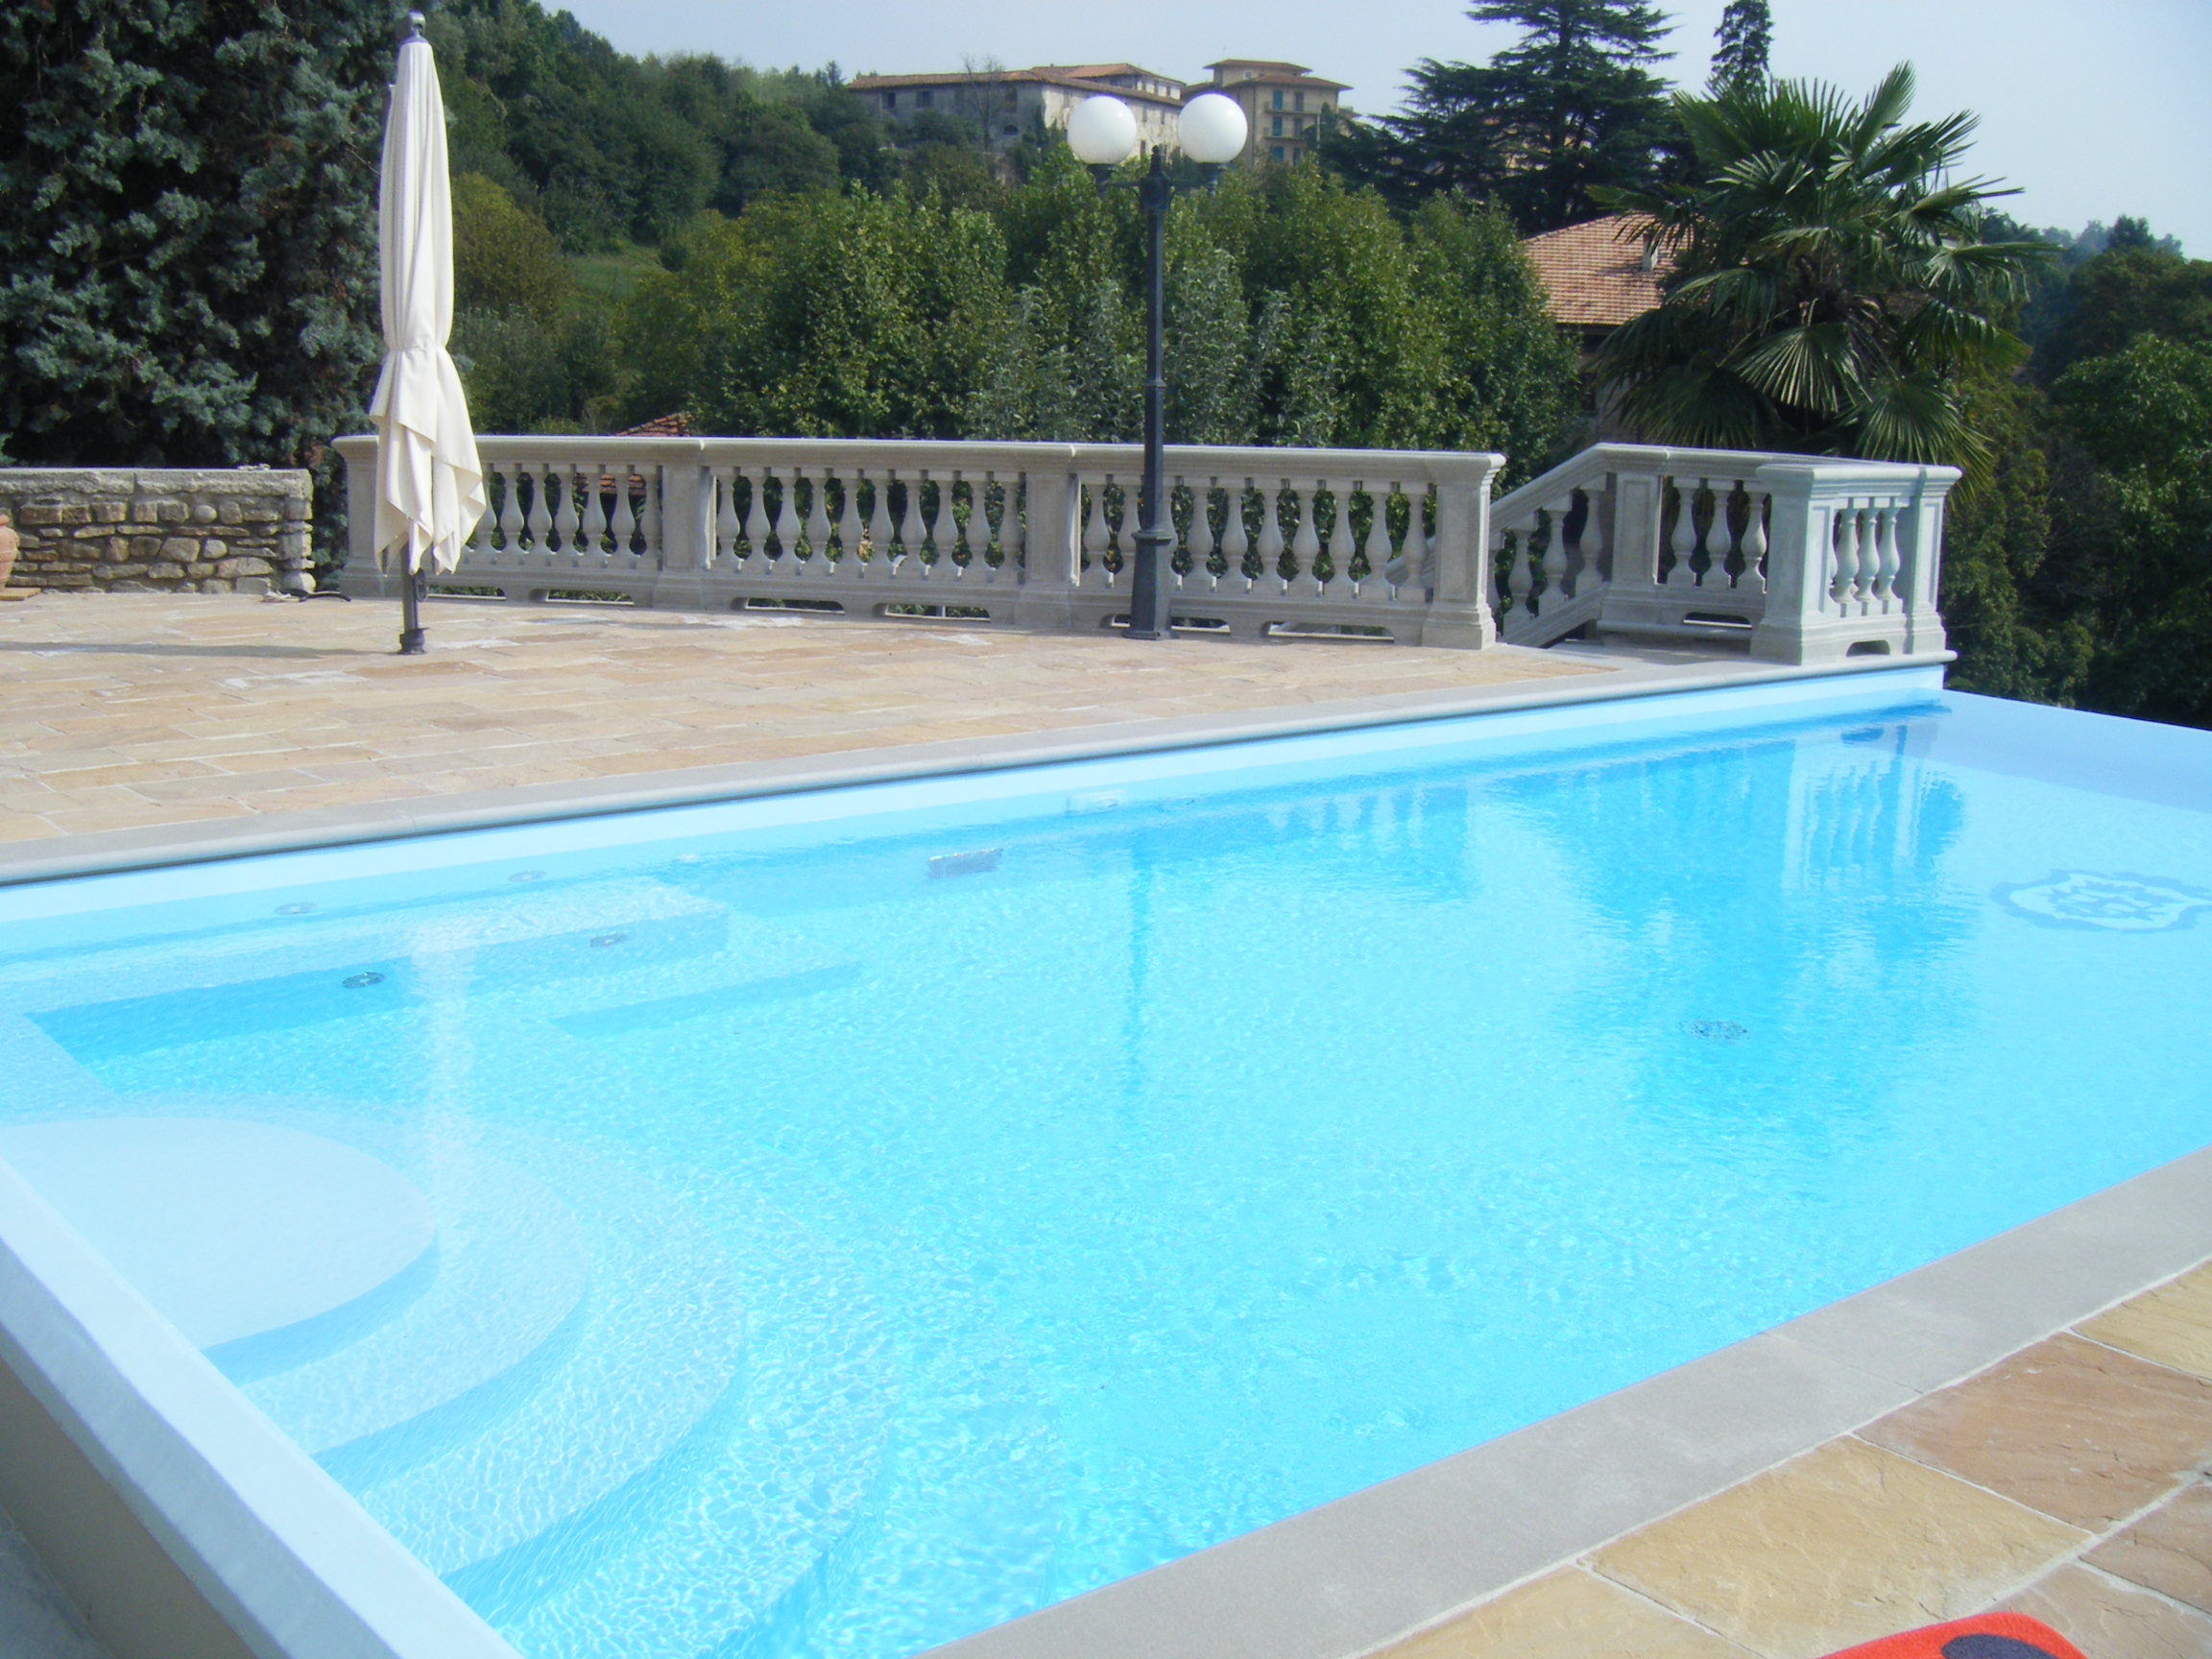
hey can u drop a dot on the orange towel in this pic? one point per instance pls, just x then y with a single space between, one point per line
1991 1636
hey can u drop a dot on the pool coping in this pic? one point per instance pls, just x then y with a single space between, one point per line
258 1528
150 846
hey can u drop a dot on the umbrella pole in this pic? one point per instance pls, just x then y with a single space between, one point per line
413 583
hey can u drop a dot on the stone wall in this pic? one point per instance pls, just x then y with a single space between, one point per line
124 530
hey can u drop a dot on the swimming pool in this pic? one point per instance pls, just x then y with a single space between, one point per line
835 1224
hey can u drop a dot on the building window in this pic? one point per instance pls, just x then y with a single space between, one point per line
890 100
1275 153
924 98
1278 130
1278 104
1297 100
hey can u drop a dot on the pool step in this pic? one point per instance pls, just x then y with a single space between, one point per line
511 1269
656 1343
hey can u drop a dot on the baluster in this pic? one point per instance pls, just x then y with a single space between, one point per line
879 525
1377 546
1521 568
1236 540
1685 538
593 545
787 522
1306 546
757 516
649 512
480 543
511 511
1555 555
541 514
1754 577
1202 538
849 526
1847 555
1010 537
1591 548
725 525
1271 537
625 524
1413 551
564 522
911 535
1886 559
1342 546
818 522
1094 535
962 552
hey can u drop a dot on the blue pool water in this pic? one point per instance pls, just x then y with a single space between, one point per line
863 1218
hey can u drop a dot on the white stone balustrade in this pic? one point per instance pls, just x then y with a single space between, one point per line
1791 558
1035 534
1799 559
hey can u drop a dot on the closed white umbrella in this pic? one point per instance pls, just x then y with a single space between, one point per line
429 484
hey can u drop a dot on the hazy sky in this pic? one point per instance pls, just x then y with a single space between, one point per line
2095 107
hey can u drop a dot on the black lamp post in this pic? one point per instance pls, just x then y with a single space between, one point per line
1102 132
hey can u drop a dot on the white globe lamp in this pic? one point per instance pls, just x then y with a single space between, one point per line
1212 130
1102 132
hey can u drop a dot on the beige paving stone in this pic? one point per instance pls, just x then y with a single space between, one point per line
135 693
2108 1619
1844 1544
2067 1427
1567 1615
2169 1551
2172 1324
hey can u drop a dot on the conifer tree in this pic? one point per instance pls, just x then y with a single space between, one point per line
187 228
1572 106
1746 35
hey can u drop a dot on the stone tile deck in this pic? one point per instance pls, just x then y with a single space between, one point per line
123 711
2068 1481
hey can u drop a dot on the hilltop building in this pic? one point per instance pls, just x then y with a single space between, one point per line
1007 103
1284 103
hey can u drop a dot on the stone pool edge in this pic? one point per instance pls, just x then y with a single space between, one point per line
1359 1576
157 845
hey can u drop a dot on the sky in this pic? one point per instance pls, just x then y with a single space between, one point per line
2094 107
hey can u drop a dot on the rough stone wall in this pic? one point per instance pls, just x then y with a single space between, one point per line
118 530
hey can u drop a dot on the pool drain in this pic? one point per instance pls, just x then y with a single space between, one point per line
1718 1030
294 909
602 941
360 980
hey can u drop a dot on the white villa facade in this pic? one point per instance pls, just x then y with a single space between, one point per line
1284 103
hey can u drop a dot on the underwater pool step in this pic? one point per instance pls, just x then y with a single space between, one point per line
656 1343
734 1538
511 1269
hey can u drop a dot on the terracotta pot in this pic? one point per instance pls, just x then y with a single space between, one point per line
9 542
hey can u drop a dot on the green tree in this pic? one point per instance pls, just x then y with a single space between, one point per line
1831 287
2141 524
1746 36
505 259
2006 603
187 228
2132 289
822 316
1574 106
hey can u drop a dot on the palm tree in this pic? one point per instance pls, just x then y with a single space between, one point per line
1830 284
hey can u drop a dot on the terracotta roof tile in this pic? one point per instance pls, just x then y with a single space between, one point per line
663 426
1594 272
